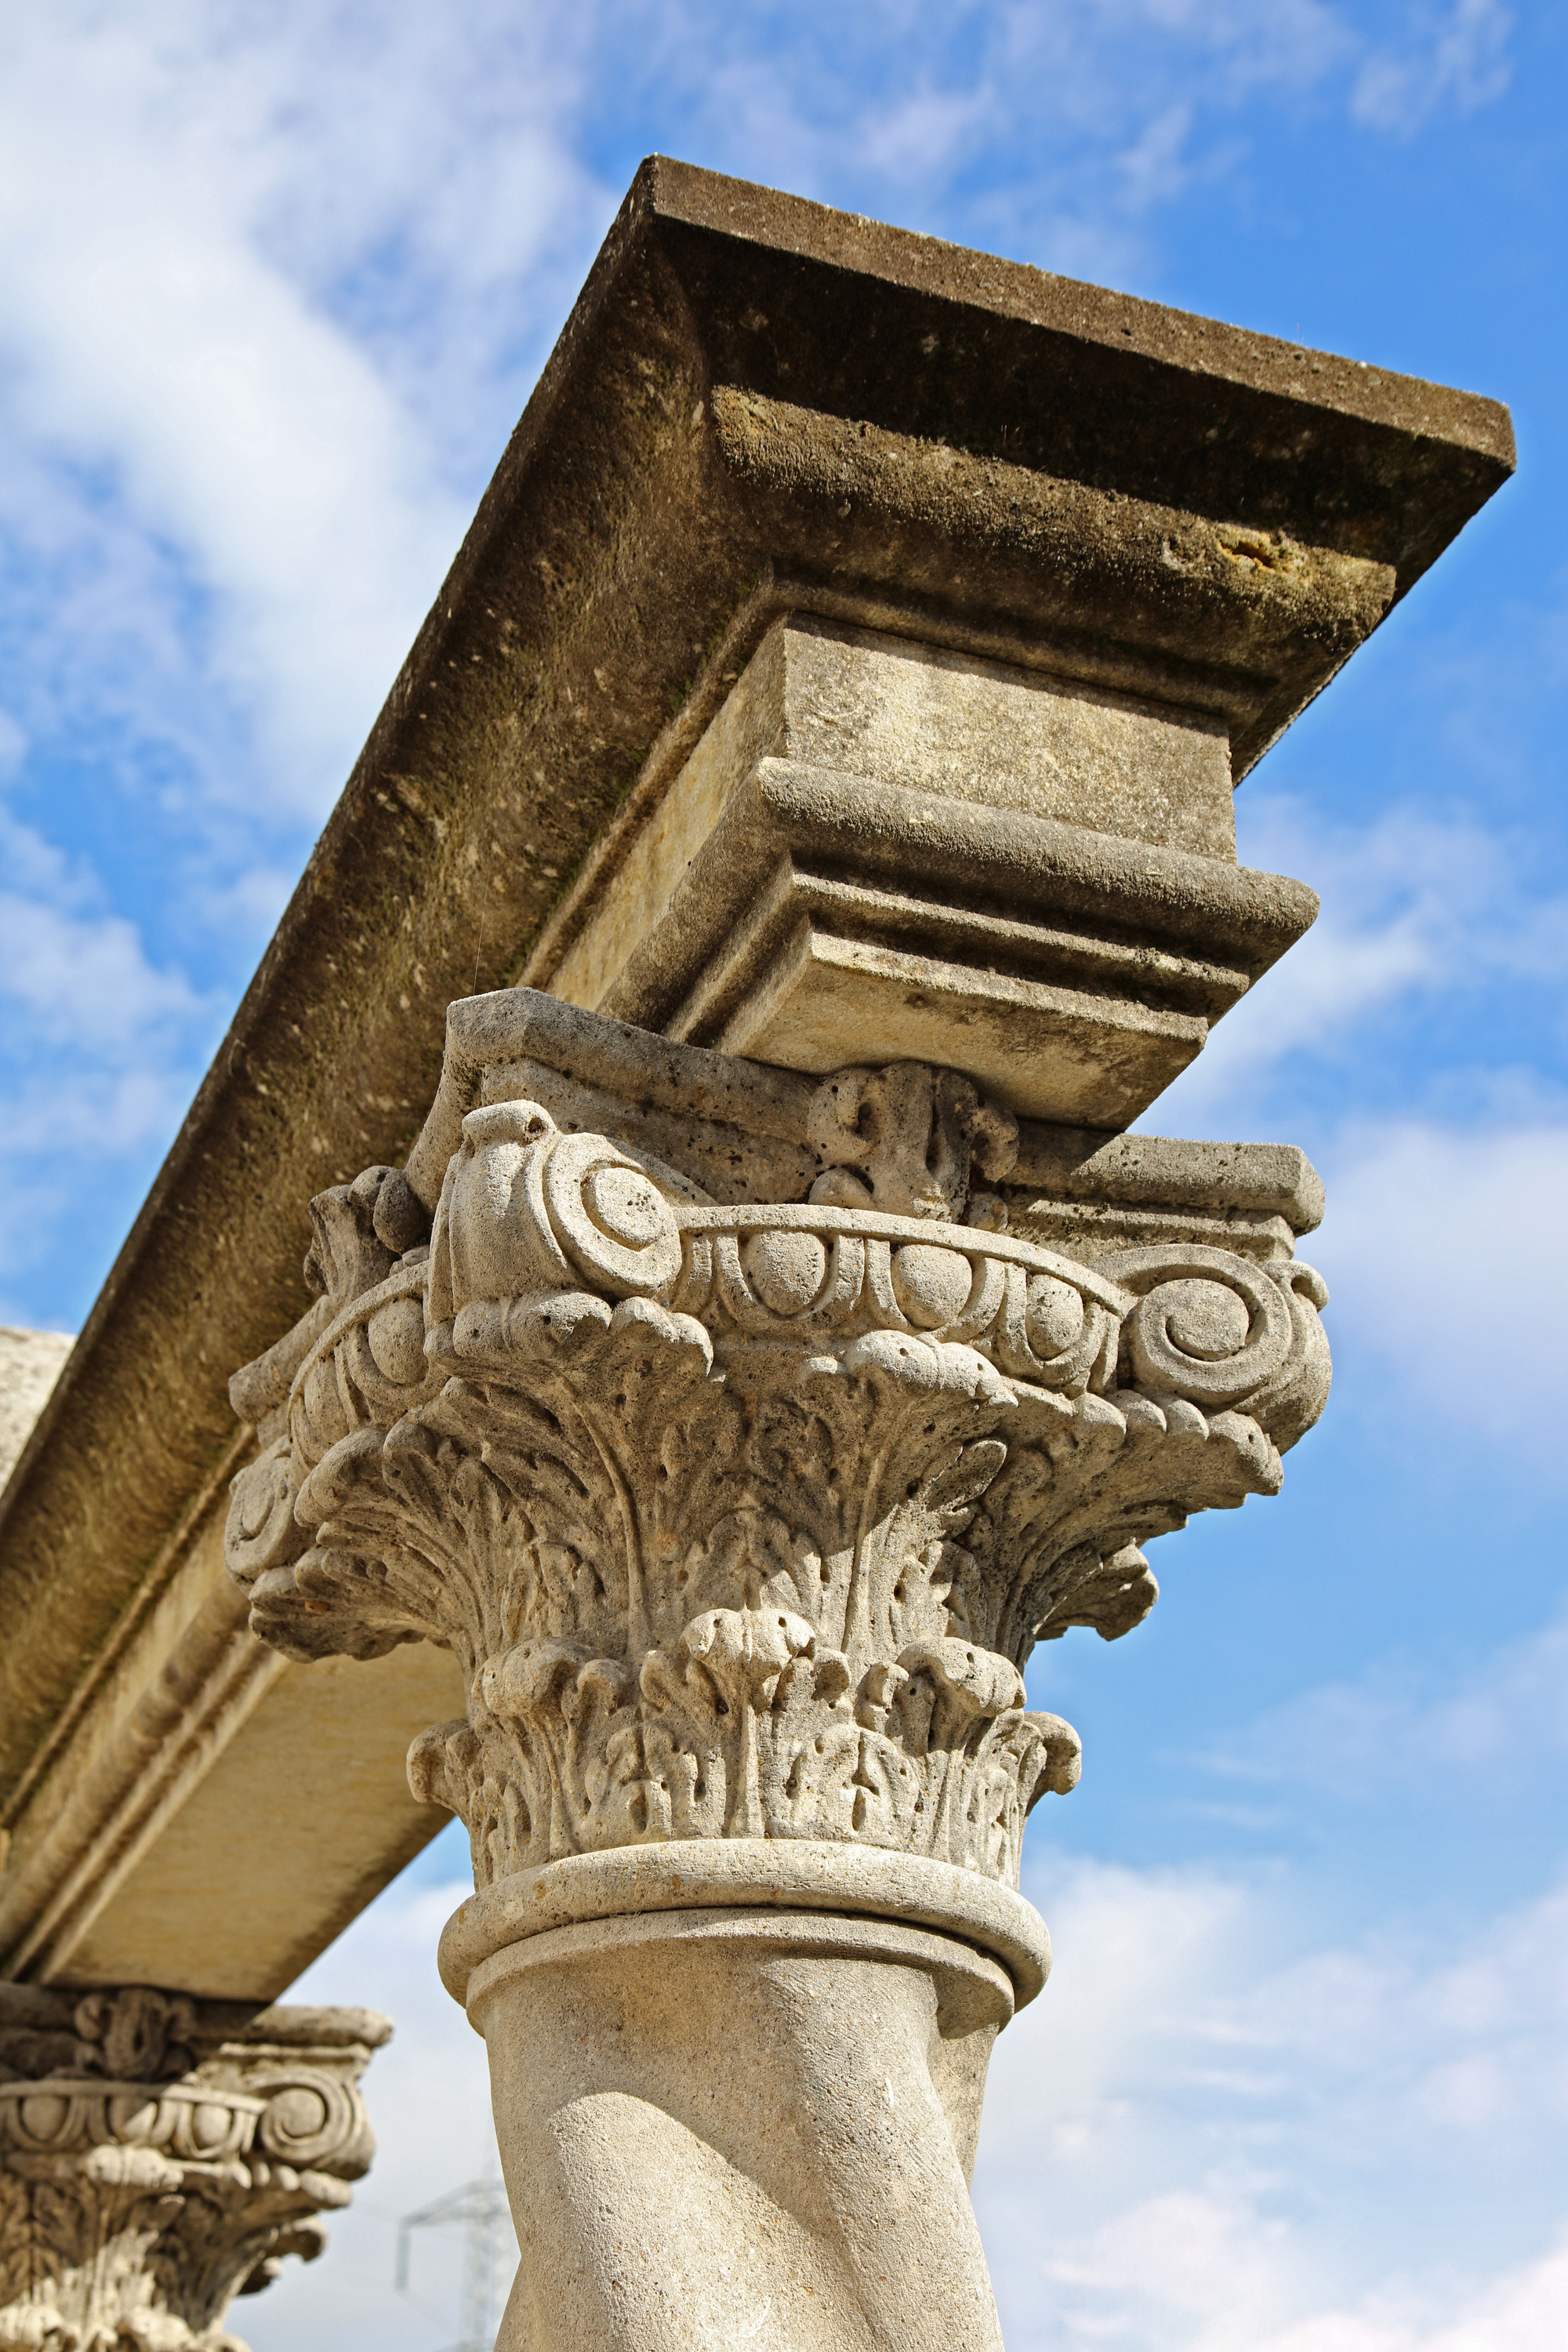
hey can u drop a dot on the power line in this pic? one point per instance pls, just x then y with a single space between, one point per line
490 2251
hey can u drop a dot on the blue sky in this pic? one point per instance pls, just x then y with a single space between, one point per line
274 284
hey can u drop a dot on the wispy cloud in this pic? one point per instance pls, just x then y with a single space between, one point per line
99 1047
1194 2144
1446 1252
165 365
1405 1727
1062 126
428 2095
75 976
1417 905
1458 58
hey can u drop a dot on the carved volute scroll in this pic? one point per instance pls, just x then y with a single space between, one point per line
160 2155
742 1520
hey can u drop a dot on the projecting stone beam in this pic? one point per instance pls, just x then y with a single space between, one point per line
874 852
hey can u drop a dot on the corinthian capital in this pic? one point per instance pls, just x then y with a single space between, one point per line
160 2155
742 1517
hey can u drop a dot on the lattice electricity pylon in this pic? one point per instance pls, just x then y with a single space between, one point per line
488 2251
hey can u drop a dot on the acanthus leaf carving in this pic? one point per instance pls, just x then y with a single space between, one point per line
145 2180
743 1521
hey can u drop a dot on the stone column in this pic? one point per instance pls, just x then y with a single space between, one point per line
160 2155
742 1515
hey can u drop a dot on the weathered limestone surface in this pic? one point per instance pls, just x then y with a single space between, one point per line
752 1408
30 1364
631 2063
917 717
797 849
1037 473
985 872
137 1844
742 1519
159 2156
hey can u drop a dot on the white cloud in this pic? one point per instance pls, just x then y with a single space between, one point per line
923 133
1447 1258
428 2097
98 1050
99 1117
1462 61
195 215
1399 1728
1084 117
73 974
1196 2143
1155 169
148 334
95 1038
1526 2310
83 980
1415 904
1443 1246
